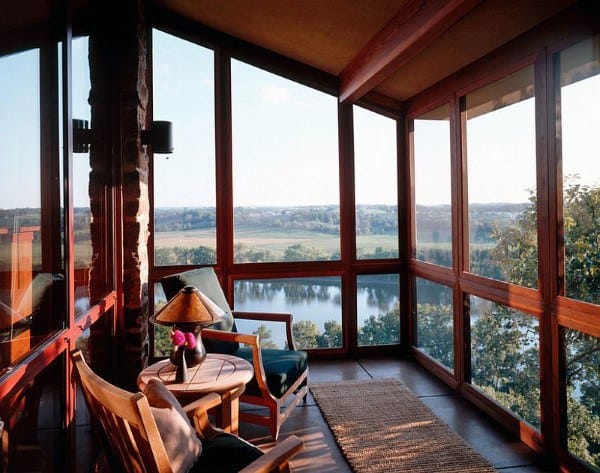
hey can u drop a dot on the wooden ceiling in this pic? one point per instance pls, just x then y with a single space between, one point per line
394 47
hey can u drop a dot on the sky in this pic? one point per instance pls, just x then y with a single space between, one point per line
285 138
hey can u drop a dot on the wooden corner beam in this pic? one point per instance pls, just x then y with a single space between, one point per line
414 27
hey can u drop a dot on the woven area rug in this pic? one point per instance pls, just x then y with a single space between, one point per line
381 426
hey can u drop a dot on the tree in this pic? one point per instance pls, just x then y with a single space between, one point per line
516 254
381 329
265 336
306 334
332 337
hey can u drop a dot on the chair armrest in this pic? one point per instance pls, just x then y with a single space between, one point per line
277 457
223 336
197 411
254 342
271 317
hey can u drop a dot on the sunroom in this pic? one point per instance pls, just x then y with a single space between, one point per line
416 182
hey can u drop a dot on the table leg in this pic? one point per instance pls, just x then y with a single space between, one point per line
230 410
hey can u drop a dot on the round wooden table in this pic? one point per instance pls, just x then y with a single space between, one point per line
223 374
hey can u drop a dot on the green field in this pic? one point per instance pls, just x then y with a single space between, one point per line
274 240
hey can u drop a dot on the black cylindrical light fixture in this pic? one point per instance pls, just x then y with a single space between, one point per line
162 137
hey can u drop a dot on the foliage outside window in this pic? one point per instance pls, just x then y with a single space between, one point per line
433 208
505 357
583 395
315 304
184 185
435 323
376 185
580 119
501 161
377 301
285 169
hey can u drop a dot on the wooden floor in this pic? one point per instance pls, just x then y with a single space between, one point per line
322 454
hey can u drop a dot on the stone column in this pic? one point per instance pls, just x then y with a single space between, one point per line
119 98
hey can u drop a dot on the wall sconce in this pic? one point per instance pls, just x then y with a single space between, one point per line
160 136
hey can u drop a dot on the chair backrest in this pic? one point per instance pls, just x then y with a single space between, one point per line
125 421
206 280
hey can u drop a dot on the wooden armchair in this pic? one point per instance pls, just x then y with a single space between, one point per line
279 374
150 432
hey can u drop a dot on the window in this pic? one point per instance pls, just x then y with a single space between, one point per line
505 357
580 119
435 325
32 288
501 160
376 183
184 184
433 209
377 304
314 302
285 169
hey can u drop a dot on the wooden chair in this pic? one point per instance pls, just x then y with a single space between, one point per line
130 426
279 374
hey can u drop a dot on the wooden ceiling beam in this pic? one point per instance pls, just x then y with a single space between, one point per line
414 27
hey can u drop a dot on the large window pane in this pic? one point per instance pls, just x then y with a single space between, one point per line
580 120
285 169
502 180
433 213
315 304
376 184
505 357
435 325
583 395
184 184
31 295
377 305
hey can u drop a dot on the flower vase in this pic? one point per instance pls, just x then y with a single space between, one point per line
180 365
196 355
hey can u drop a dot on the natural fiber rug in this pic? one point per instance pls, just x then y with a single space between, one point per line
381 426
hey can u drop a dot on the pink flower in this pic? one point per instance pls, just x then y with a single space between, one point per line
190 340
178 338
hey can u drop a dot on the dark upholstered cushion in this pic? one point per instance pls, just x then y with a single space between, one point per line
181 443
207 282
282 369
225 454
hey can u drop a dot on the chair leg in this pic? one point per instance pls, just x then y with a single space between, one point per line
275 422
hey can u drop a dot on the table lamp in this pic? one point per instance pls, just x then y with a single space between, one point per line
189 311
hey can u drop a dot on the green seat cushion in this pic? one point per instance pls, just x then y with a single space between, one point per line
282 369
205 279
224 454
